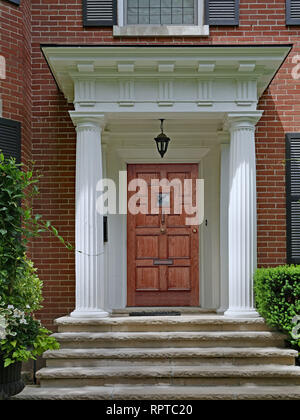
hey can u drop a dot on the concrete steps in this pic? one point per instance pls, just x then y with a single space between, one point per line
171 356
162 393
160 324
176 357
170 375
167 339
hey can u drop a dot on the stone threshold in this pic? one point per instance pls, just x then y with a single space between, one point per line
161 310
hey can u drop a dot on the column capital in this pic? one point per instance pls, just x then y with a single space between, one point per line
240 120
84 119
223 137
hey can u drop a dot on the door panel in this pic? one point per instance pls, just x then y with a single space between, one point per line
162 251
147 278
179 246
179 278
147 246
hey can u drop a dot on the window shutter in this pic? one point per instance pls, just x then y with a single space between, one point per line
99 12
293 197
17 2
293 12
222 12
10 138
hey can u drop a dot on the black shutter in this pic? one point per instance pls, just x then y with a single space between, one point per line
293 197
10 138
99 12
222 12
293 12
17 2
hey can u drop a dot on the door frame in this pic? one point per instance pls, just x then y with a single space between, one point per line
125 164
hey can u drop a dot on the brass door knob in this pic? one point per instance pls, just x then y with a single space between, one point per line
195 231
163 230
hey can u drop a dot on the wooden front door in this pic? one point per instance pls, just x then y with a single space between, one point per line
162 251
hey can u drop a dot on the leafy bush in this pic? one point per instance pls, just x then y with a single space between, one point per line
18 225
277 295
26 291
21 335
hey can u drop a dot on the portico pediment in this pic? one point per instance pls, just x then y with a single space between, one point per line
164 79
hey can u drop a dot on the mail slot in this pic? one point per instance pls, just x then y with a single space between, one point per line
163 262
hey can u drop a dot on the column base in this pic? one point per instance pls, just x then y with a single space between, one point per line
89 314
240 313
221 310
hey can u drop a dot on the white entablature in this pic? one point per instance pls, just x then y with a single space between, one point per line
164 79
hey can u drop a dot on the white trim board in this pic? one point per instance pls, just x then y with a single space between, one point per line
150 155
196 29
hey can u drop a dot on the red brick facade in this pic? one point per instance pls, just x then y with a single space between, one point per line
30 95
15 46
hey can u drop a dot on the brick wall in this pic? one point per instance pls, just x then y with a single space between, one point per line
53 134
15 46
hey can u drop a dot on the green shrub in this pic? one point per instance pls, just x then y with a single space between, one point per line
21 336
277 296
26 290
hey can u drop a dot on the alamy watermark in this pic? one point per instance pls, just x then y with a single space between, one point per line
296 68
2 328
166 196
2 67
296 330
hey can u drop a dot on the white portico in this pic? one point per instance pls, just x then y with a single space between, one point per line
208 97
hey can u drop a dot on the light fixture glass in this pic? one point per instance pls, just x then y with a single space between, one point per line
162 141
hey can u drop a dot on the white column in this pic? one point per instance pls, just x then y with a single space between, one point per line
224 198
89 223
242 214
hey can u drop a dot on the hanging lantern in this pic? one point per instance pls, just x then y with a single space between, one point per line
162 141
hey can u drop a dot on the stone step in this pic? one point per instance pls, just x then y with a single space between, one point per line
271 375
225 356
161 393
167 339
167 357
160 324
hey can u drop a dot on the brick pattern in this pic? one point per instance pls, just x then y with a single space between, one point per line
53 135
15 46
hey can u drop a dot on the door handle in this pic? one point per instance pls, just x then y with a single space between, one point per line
163 230
195 231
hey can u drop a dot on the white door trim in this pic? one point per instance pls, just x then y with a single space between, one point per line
190 155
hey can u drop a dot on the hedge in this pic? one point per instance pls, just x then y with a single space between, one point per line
277 297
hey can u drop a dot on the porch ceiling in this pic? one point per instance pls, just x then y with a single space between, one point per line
177 124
